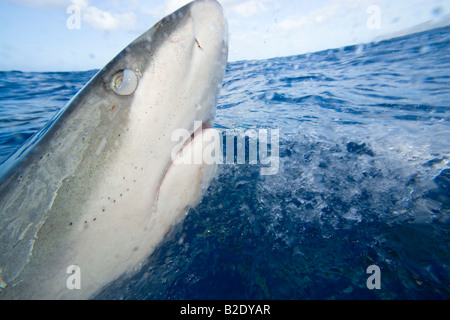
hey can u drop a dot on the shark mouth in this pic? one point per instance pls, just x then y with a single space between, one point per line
196 134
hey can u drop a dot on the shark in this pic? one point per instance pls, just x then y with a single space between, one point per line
90 196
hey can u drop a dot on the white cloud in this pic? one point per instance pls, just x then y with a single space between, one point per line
289 24
104 20
316 17
249 9
95 17
173 5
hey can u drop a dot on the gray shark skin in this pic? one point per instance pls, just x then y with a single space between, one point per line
97 188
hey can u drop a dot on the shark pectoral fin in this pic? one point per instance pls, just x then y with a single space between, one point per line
185 182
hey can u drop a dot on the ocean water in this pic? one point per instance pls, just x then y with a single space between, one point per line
363 178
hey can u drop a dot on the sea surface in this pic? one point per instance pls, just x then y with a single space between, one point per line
363 177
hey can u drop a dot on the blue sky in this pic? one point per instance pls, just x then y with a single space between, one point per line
35 34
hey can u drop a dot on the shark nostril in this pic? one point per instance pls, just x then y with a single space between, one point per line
198 43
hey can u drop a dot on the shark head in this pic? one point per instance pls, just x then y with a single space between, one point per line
167 79
178 63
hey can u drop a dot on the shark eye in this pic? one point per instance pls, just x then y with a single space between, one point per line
124 82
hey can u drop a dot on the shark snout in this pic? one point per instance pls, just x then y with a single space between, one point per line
209 25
